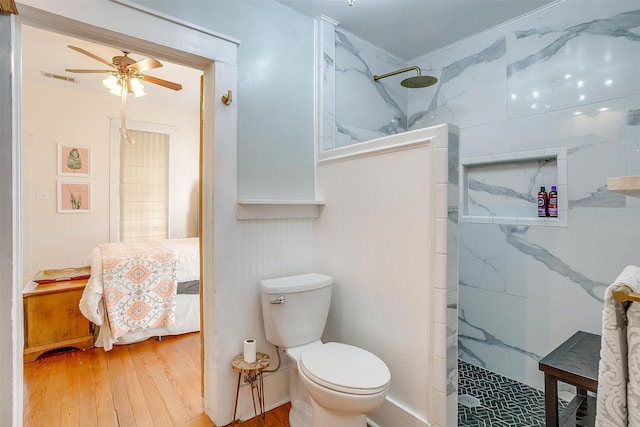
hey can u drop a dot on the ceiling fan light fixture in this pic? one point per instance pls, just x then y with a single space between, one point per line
110 82
116 90
124 77
137 87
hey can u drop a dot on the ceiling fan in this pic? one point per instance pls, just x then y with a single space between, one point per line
125 68
126 76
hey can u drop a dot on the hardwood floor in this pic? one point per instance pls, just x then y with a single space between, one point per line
278 417
151 383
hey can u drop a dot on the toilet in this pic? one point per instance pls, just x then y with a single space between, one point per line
330 384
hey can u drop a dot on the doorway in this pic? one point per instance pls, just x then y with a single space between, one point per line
106 26
76 110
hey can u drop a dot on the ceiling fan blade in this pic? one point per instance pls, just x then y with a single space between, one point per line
8 6
145 64
161 82
75 70
91 55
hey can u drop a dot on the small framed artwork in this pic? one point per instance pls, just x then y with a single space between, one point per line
74 197
74 160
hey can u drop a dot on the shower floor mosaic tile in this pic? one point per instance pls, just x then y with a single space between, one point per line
499 401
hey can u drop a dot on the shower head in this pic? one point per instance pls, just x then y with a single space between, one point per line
418 81
414 82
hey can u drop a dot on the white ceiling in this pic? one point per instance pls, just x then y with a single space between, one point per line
407 29
410 29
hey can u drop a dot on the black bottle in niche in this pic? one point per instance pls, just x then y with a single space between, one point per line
542 202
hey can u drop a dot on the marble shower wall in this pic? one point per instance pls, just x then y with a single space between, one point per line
362 109
567 76
564 77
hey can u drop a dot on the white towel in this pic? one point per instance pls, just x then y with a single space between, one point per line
618 400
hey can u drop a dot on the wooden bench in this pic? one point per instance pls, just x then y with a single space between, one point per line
574 362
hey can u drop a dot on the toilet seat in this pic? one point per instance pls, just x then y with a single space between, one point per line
345 368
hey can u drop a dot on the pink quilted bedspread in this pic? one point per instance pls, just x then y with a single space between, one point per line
139 280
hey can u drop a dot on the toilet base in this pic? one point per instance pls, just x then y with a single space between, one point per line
300 414
323 418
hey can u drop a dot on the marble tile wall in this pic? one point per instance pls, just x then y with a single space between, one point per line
453 256
558 78
325 84
490 193
632 155
364 109
566 76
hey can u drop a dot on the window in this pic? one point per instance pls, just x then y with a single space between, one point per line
144 186
140 193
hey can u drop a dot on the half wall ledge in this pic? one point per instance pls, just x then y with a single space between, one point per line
253 209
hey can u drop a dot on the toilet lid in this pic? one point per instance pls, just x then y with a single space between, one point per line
345 368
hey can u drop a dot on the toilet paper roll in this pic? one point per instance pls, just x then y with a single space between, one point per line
250 351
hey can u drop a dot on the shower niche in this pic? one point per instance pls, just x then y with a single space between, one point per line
503 188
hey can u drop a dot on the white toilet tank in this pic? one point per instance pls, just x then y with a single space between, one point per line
295 308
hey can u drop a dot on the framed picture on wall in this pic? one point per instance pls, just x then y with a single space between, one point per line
74 160
74 197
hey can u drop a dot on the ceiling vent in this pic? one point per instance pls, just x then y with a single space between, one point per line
59 77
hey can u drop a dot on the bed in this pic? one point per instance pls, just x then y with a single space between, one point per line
139 290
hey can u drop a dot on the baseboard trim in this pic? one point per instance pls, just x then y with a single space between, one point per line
393 412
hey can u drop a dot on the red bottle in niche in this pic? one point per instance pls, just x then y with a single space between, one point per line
552 205
542 202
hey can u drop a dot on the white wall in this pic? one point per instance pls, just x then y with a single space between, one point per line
375 239
53 115
383 237
275 94
268 248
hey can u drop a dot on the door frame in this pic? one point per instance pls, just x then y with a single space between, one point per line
120 22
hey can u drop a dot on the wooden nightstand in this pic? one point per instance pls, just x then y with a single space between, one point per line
52 318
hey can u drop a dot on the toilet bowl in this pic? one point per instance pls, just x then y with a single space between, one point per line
332 384
344 383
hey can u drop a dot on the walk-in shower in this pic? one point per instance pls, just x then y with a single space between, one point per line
411 82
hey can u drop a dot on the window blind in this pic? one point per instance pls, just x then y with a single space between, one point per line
144 186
